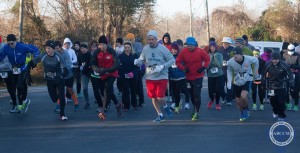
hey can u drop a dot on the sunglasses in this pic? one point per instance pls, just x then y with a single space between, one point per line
12 43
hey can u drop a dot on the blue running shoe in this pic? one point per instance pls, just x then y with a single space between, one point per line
169 111
159 119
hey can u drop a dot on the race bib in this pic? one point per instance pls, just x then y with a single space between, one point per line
51 74
225 63
16 70
214 70
241 78
3 75
271 93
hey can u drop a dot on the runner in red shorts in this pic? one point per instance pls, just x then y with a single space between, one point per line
157 59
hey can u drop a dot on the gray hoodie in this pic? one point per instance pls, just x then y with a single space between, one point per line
240 74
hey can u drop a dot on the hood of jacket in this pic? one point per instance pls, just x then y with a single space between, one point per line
68 40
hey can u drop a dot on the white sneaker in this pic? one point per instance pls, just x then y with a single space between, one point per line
64 118
173 105
275 116
186 106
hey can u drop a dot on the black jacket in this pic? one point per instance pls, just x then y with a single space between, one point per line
275 75
127 65
84 60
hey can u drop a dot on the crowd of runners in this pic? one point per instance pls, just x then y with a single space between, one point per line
235 71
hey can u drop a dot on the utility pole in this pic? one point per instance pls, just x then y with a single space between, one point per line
191 19
207 20
21 21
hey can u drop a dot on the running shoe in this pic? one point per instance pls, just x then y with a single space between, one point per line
79 95
229 103
210 104
288 106
173 106
295 108
159 119
101 115
63 118
254 107
14 110
177 110
186 106
218 107
168 111
195 117
25 106
261 107
86 106
57 108
275 115
76 108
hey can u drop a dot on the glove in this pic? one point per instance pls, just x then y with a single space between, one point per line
31 65
156 69
138 62
130 75
186 70
102 71
201 70
65 72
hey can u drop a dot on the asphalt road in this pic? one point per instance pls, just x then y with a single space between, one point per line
40 130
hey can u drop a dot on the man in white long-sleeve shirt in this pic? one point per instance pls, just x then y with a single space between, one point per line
240 72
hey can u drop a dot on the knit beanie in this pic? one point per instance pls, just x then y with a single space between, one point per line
11 37
102 39
175 46
50 43
152 33
276 55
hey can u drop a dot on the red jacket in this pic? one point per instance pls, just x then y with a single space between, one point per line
192 60
168 46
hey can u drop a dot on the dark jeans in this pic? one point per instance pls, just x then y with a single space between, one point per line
261 93
109 91
175 87
229 93
195 91
129 87
140 87
20 85
9 81
119 84
278 103
77 75
185 91
56 90
215 86
98 89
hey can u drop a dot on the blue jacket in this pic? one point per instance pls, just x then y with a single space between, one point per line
175 73
17 56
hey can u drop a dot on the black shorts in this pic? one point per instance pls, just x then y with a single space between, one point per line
238 89
69 82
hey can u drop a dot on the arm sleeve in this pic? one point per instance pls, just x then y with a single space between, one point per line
289 73
94 63
33 50
38 58
206 59
116 63
229 73
256 66
5 64
220 64
179 61
170 59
